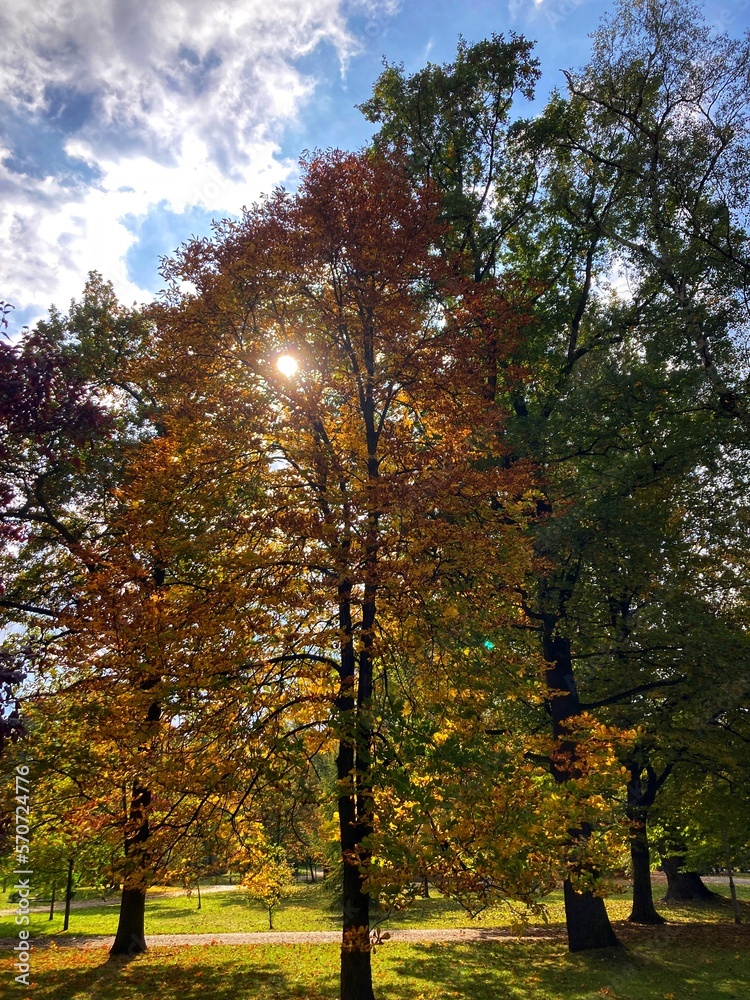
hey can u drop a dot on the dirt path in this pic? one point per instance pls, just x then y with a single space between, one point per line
298 937
625 931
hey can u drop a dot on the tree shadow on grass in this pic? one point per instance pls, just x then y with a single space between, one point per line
708 961
425 910
505 971
222 973
719 906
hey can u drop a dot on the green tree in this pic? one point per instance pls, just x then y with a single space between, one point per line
454 121
623 407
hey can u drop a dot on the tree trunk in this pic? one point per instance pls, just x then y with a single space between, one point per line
641 795
130 938
356 972
199 894
52 901
730 875
643 911
355 809
68 895
684 887
586 916
131 935
354 761
587 921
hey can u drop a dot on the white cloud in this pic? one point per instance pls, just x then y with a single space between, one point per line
180 102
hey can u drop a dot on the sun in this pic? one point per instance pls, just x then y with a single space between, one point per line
287 365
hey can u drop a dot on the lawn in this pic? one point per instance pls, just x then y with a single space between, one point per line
309 910
703 962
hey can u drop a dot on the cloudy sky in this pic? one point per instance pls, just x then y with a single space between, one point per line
126 126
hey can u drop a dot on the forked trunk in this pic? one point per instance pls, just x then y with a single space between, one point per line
353 765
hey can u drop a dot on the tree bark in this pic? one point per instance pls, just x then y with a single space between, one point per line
353 767
425 892
730 876
586 916
587 921
354 762
130 938
131 934
68 894
52 901
356 967
641 796
643 911
682 886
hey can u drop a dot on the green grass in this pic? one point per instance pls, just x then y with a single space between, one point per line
707 962
309 910
228 911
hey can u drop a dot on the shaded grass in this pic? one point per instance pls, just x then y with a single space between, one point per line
707 962
308 909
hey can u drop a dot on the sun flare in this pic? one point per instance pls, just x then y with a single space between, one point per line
287 365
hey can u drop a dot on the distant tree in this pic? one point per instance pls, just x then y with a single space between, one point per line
266 874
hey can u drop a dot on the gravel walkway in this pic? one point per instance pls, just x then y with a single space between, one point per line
298 937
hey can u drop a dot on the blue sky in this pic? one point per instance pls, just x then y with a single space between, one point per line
125 127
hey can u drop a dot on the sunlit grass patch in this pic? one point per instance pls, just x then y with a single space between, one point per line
710 962
309 909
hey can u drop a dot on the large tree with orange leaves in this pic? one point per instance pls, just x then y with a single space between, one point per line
311 556
381 488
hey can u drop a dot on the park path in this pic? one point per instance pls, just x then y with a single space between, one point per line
299 937
548 933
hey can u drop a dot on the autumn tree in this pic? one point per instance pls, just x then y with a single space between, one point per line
107 647
352 348
266 874
416 114
67 416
